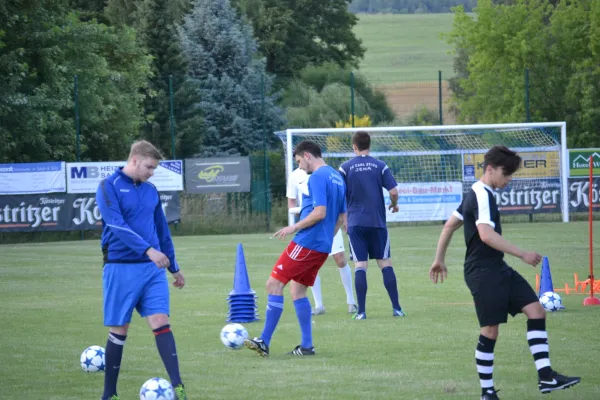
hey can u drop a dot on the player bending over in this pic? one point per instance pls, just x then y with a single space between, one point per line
497 289
322 215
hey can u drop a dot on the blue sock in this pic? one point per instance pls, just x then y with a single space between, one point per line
274 310
165 341
112 363
389 281
360 284
304 314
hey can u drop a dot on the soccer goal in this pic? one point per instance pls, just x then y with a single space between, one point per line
435 165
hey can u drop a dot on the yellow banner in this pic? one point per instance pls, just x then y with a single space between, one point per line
538 164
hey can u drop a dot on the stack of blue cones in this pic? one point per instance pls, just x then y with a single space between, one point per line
242 299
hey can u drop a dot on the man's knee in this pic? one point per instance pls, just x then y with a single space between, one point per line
340 259
157 320
490 332
119 330
274 287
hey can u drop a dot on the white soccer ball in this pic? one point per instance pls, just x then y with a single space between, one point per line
233 336
157 389
551 301
92 359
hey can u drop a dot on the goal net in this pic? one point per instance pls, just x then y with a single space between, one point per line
435 165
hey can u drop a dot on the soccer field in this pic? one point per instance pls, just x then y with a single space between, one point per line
51 310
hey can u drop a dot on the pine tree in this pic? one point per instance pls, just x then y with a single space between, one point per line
221 52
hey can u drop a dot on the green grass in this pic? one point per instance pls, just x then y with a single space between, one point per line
52 310
404 48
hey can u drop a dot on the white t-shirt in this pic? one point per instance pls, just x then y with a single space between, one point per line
296 185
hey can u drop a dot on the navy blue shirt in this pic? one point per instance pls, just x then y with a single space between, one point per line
132 221
365 177
325 188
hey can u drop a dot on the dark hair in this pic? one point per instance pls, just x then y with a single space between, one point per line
307 146
502 156
362 140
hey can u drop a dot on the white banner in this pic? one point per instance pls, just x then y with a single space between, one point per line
425 201
31 178
84 177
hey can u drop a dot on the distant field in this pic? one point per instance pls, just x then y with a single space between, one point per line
404 48
403 57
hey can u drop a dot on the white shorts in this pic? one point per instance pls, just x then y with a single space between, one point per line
338 243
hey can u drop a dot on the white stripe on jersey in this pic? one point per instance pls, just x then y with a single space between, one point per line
483 204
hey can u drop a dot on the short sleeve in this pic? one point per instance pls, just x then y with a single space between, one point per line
482 211
387 178
292 186
458 213
317 187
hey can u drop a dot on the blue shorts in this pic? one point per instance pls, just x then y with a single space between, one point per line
127 286
368 243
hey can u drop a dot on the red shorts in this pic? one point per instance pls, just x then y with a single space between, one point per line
299 264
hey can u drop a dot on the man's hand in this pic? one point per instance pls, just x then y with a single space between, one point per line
282 233
531 257
179 280
438 271
394 208
158 258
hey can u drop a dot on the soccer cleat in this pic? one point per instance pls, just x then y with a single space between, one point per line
113 397
180 392
301 351
490 394
557 382
362 315
258 346
318 311
398 313
352 309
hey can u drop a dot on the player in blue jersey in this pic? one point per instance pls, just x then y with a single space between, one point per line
497 289
365 178
323 210
137 248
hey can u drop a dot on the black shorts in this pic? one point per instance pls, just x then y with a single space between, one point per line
498 290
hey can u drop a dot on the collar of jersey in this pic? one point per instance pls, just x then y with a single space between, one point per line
126 177
484 185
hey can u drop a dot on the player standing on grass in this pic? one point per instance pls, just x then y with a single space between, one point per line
365 178
323 208
497 289
296 185
137 248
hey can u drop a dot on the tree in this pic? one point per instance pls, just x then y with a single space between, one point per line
42 51
156 23
234 88
293 34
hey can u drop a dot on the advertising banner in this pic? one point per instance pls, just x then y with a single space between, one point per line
579 162
84 177
217 175
425 201
63 212
579 189
29 178
537 164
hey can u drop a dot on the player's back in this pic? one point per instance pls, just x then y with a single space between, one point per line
325 188
365 177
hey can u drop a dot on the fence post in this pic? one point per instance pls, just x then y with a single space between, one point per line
352 97
77 122
527 114
440 97
265 158
172 116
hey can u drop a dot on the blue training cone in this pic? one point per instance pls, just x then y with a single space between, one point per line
241 299
546 279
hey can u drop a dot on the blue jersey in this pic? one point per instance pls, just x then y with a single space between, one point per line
132 221
365 177
325 188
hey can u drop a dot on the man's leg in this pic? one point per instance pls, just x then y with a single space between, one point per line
346 275
360 254
318 297
274 309
484 359
391 285
303 313
165 342
112 359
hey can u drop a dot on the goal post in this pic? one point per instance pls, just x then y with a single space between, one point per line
429 156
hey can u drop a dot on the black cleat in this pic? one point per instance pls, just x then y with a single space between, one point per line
557 382
301 351
490 394
258 346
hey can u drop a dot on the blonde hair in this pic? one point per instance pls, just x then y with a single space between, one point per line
144 149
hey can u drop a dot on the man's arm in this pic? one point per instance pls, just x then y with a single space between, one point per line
340 222
438 269
164 237
317 214
108 204
292 202
394 200
490 237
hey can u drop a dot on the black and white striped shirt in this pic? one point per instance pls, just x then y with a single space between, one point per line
479 207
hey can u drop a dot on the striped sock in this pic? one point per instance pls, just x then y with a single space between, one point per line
484 358
537 338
